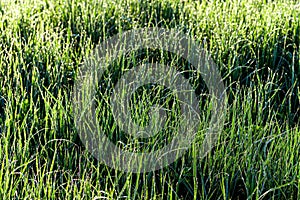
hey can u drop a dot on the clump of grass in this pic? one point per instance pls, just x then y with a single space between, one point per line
254 43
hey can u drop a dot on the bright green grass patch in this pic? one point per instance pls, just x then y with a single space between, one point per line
254 43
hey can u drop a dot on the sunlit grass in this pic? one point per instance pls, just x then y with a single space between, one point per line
256 46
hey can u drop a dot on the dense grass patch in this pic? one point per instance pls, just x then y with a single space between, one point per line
256 46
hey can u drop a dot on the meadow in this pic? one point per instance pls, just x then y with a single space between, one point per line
255 45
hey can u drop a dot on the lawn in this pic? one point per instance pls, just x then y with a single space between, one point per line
43 48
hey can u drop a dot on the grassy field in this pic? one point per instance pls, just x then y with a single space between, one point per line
256 47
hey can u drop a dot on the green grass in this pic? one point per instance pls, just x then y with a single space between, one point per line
256 46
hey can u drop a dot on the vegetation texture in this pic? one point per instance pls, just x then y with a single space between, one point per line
256 47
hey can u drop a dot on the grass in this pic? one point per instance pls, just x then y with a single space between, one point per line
256 46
